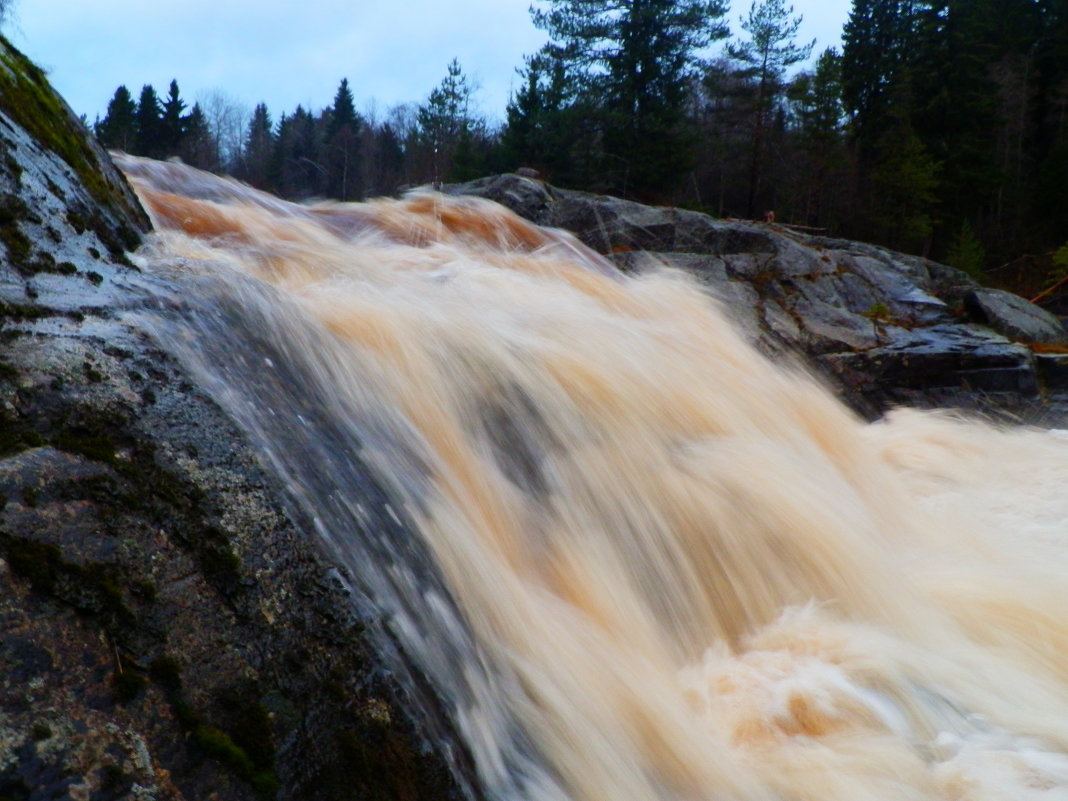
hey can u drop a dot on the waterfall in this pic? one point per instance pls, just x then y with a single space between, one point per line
611 549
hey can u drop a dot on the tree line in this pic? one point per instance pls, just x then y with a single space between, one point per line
938 127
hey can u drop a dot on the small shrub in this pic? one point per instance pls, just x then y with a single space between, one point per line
38 562
219 745
967 253
878 312
1060 263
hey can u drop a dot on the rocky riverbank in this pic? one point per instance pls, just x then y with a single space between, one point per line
884 327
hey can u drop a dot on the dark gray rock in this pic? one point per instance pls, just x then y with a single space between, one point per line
742 304
526 196
1053 370
1016 318
943 359
781 324
611 225
709 270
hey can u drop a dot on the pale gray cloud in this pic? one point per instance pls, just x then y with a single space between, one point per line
284 52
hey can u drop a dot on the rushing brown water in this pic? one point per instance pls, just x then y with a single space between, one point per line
650 564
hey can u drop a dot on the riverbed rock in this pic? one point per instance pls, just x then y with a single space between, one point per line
1014 317
169 630
886 327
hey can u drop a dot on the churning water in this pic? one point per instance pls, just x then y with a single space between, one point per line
635 560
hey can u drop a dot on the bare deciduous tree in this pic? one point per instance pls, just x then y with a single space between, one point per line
227 120
6 9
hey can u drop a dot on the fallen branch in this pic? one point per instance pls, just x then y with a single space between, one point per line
1045 293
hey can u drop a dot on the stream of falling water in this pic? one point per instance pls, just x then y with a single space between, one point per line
648 563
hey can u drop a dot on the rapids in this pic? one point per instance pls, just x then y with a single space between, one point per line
634 559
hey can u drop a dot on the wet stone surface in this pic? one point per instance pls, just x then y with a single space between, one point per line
884 327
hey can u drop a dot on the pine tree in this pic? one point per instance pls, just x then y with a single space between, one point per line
443 117
118 129
765 56
633 59
722 114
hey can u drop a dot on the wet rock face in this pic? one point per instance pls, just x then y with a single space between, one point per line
886 327
168 631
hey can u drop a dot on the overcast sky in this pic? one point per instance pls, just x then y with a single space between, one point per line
283 52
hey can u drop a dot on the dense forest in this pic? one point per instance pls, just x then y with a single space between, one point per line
938 128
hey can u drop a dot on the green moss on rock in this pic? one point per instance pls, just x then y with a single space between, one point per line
31 102
95 588
127 685
96 446
219 745
37 562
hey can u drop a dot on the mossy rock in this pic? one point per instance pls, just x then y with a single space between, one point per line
28 99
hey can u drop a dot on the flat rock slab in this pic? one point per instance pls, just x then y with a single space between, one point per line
1016 318
966 357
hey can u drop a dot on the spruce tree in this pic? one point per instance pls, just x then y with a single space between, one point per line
198 146
904 187
118 129
526 112
172 120
342 157
388 166
258 148
468 162
877 45
300 174
542 128
955 109
149 140
817 97
821 155
343 109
